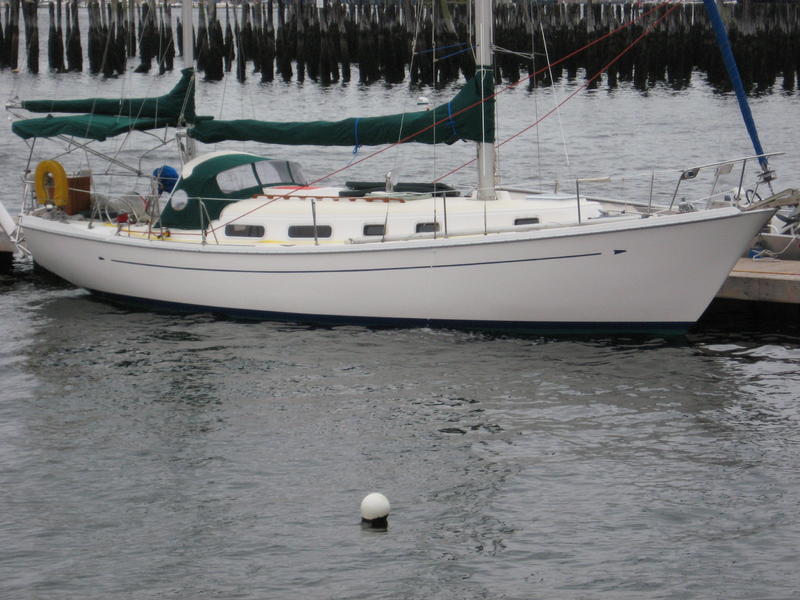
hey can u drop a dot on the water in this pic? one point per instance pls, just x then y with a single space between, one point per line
149 455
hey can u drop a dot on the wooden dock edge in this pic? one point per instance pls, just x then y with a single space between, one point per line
763 280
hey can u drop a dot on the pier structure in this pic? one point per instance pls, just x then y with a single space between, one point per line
395 40
763 281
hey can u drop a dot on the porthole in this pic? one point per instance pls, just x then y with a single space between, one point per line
427 227
238 230
307 231
374 229
179 200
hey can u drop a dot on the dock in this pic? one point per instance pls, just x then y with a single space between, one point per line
763 280
322 42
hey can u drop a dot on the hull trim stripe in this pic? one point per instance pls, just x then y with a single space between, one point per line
271 272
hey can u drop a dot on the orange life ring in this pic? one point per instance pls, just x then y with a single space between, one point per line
56 192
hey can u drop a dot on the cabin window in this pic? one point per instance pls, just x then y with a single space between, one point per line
272 172
275 172
527 221
297 173
250 231
237 178
307 231
374 229
427 227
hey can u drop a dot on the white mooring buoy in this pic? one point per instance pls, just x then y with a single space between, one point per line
375 510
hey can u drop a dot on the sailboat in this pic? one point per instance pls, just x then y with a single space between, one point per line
248 236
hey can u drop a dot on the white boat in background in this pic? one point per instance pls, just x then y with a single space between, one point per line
248 236
781 238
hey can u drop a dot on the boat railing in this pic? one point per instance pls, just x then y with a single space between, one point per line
86 187
205 221
720 169
699 187
578 183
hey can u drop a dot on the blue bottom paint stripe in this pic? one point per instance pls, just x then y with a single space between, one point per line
522 327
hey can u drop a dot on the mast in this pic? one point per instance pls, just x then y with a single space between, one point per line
484 26
736 81
187 144
188 34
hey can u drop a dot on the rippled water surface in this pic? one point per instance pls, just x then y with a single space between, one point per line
147 455
161 456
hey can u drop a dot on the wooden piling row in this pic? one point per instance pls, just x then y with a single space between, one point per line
31 19
424 41
55 40
9 35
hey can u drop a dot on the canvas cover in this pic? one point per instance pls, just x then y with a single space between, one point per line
465 117
202 183
94 127
107 117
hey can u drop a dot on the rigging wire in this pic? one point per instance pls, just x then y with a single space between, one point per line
433 84
107 23
414 41
506 88
529 15
510 87
456 53
501 50
555 101
580 88
395 165
458 45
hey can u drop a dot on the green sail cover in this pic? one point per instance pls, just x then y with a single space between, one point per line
107 117
463 118
177 104
95 127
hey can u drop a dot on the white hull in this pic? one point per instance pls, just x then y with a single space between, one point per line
649 274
